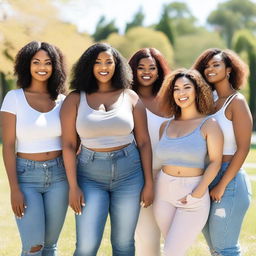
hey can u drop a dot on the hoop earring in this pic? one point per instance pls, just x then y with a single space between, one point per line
228 76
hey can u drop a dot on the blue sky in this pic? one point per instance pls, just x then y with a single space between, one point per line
86 13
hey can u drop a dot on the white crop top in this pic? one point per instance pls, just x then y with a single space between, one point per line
229 147
154 123
36 132
105 129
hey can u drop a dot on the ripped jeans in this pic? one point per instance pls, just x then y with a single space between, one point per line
225 220
45 189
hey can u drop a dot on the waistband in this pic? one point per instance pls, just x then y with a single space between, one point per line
181 179
37 164
111 154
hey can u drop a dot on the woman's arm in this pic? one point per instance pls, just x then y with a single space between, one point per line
214 139
242 124
9 156
144 145
69 143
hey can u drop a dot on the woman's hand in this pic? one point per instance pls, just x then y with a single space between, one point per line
217 192
76 200
147 195
18 204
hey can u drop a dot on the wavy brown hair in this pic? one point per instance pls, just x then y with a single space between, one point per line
239 70
204 97
161 63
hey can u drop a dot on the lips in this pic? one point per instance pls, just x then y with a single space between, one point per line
41 73
103 73
211 74
183 99
146 77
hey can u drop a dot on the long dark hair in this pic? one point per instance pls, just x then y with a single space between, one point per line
161 63
56 82
83 78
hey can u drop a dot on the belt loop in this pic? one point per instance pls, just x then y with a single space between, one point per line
92 156
125 152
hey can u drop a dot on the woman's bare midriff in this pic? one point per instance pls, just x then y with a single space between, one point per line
108 149
181 171
44 156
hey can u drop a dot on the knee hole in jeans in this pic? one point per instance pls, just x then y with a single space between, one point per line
36 248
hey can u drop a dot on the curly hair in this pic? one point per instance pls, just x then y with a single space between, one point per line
161 63
204 97
83 78
239 70
56 82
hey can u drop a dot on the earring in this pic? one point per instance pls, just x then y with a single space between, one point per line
228 76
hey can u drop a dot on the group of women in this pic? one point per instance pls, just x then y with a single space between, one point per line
150 148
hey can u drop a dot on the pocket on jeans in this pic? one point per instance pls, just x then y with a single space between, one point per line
20 170
83 161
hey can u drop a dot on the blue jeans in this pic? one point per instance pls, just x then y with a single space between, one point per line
111 183
224 223
45 189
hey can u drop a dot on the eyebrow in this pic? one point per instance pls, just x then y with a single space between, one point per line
39 59
153 65
183 84
101 59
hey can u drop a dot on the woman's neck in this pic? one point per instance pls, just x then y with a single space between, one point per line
37 86
190 113
145 92
224 89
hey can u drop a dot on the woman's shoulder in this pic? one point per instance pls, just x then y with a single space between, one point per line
72 97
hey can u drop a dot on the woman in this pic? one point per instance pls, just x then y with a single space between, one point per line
190 153
32 147
149 68
108 177
230 191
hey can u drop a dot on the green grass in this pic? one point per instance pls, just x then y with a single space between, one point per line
10 243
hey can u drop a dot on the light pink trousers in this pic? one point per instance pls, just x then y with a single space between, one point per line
179 223
147 234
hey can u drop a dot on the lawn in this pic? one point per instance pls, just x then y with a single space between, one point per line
10 243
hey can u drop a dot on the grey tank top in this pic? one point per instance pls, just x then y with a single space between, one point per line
105 129
189 150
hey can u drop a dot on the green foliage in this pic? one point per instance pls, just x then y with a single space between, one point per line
165 26
233 15
137 20
188 47
244 41
139 37
104 29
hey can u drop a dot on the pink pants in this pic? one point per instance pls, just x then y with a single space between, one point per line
147 234
179 223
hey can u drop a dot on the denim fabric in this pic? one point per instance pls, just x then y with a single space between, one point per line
224 223
45 190
111 183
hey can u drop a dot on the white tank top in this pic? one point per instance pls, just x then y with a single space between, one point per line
229 147
105 129
154 123
36 132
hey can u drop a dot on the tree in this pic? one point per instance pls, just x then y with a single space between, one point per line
231 16
165 26
140 37
245 41
104 29
137 20
189 46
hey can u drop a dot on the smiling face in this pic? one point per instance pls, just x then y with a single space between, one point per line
147 72
41 66
184 92
104 67
216 70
